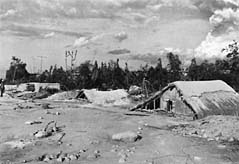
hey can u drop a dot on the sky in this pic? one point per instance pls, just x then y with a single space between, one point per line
135 31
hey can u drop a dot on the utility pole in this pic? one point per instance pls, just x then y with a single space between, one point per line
41 58
72 54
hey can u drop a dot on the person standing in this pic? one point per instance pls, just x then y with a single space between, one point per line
2 87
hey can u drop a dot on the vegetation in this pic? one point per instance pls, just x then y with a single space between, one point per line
17 71
111 76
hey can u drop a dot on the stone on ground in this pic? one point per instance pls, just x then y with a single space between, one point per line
127 136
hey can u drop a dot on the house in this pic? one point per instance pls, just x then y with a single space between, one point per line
195 98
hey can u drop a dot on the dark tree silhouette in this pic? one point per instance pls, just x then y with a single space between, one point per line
17 72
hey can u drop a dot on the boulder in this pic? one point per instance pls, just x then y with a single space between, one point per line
41 134
127 136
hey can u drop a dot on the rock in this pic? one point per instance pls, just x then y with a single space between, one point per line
60 159
221 146
47 158
73 157
58 154
115 146
32 122
52 156
41 134
127 136
45 106
95 142
202 130
67 159
231 139
122 160
82 151
197 158
217 138
42 157
140 128
58 113
219 134
210 139
121 152
96 151
124 155
195 132
92 156
204 135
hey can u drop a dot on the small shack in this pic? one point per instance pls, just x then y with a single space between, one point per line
195 98
33 86
114 97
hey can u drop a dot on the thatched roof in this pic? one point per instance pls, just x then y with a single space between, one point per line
203 97
197 88
116 97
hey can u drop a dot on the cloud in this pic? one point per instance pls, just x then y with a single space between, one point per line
121 36
152 58
119 51
211 6
80 9
212 46
35 32
224 19
148 58
85 41
8 13
49 35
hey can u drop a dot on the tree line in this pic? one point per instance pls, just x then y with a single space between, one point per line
110 75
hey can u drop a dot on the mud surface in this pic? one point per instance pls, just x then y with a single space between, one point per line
88 130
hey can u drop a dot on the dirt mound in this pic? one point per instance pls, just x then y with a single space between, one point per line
67 95
212 128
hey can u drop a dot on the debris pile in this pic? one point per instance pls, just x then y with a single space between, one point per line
49 131
60 157
32 90
136 93
33 87
135 90
219 128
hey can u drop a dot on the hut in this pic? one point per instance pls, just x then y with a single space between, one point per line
195 98
114 97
